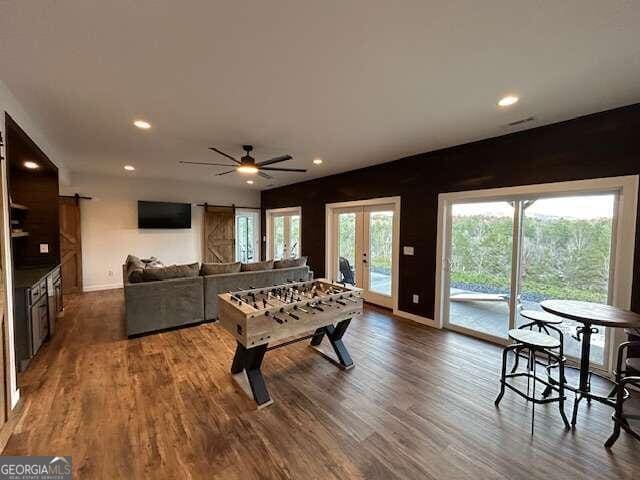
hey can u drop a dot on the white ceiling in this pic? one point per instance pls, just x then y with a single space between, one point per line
355 82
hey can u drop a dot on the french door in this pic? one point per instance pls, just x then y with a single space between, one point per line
363 250
506 255
284 234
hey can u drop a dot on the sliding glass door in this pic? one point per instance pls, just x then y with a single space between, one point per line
480 264
509 255
566 254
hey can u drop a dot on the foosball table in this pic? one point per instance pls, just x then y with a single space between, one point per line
263 319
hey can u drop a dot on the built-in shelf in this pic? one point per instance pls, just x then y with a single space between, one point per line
19 234
17 206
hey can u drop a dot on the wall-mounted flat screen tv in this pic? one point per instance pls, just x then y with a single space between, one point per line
164 215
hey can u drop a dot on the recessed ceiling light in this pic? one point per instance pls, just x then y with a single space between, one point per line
31 165
142 124
317 161
130 168
508 100
250 182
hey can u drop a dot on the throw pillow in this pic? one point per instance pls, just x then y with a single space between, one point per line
131 259
134 269
172 271
257 266
290 263
219 268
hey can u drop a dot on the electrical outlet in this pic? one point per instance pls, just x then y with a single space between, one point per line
44 248
407 250
110 273
416 298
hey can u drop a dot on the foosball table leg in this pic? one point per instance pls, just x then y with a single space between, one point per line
334 334
247 374
317 337
335 337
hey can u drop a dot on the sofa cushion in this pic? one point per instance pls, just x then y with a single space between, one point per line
219 268
290 263
257 266
172 271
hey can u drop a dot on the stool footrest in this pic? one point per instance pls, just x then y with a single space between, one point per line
528 397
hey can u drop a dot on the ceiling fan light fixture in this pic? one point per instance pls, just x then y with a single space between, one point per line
247 169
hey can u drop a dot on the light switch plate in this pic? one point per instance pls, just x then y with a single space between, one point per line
416 298
407 250
44 248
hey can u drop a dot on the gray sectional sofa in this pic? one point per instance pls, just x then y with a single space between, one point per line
158 305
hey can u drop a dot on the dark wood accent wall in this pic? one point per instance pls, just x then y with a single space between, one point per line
605 144
37 190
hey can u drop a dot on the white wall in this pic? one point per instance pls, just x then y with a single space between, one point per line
110 222
10 105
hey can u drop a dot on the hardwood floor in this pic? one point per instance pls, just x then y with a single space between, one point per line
418 404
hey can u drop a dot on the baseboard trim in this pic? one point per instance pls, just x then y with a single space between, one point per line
97 288
416 318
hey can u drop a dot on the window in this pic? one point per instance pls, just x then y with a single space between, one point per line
247 235
283 233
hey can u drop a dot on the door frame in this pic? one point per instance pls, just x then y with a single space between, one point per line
276 212
330 244
622 251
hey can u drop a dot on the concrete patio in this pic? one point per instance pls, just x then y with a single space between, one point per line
492 317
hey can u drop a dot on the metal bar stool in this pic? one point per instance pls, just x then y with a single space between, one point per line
629 374
534 342
544 321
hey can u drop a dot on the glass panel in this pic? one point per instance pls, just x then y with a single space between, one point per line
380 251
480 266
346 271
566 251
294 236
245 235
278 238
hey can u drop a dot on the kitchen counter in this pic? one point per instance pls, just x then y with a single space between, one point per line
26 277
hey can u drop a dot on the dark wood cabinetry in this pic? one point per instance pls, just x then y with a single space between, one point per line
38 302
35 242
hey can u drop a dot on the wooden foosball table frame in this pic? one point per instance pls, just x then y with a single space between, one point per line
260 327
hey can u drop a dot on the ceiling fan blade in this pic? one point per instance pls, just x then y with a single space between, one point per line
224 173
206 163
283 169
224 154
282 158
264 175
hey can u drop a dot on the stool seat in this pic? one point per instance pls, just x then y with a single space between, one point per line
540 317
533 339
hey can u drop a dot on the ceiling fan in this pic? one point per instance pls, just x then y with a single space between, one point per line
247 164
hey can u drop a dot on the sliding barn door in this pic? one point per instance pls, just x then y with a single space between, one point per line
219 243
70 245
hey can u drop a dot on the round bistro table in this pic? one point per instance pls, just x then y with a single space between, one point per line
590 314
